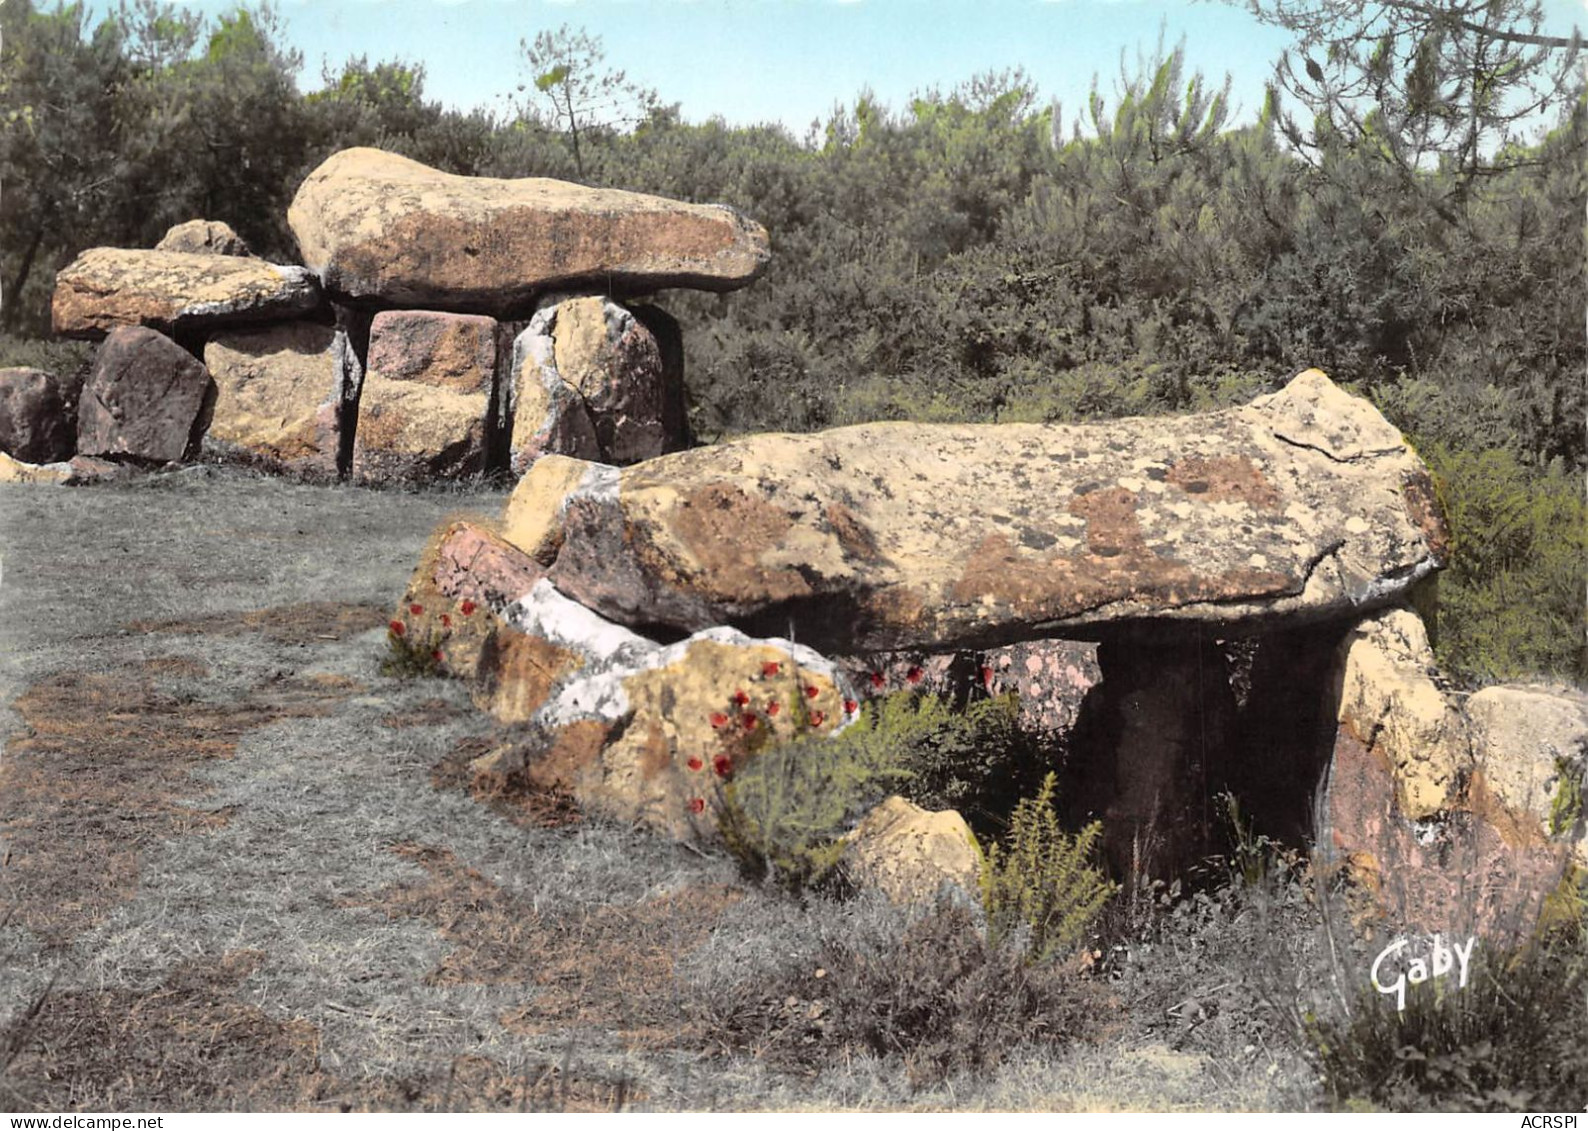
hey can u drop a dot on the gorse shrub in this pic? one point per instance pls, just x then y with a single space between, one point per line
1043 879
784 811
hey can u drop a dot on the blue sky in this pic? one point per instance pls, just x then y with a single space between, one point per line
792 60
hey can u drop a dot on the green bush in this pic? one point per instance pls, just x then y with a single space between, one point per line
785 810
1043 878
975 760
63 359
1511 602
782 814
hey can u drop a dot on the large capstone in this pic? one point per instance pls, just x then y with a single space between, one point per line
1302 505
383 229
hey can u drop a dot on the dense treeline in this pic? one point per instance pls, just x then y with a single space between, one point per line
963 258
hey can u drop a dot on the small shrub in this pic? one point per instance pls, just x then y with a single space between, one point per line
975 760
63 359
1043 878
947 1000
410 655
784 810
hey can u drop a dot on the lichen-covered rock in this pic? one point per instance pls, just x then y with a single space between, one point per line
427 347
1429 843
411 432
146 399
37 424
20 471
466 577
1051 678
427 410
1391 702
280 392
1304 504
378 227
203 237
589 381
534 518
1530 762
648 733
174 292
909 854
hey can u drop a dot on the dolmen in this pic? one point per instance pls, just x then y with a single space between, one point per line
1226 600
440 327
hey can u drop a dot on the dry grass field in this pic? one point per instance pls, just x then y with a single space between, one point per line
244 870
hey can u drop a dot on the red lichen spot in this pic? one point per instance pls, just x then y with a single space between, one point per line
750 721
818 718
811 692
696 764
446 621
697 805
741 698
878 680
773 707
986 677
850 706
771 668
718 719
397 627
914 676
723 765
437 656
467 608
417 610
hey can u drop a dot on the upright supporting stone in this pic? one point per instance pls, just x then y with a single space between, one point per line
280 391
676 434
590 380
1450 817
1168 709
426 407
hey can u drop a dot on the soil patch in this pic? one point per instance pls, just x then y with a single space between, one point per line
524 803
608 967
427 713
282 624
104 769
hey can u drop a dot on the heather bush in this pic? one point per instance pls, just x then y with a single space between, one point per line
864 978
